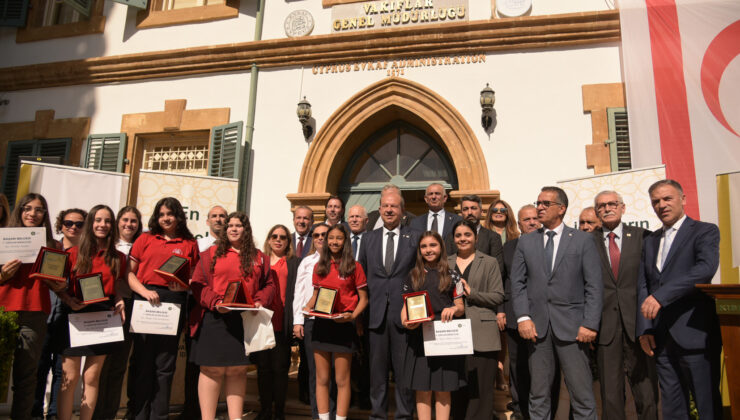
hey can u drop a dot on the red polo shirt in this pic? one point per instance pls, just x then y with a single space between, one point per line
347 286
151 251
98 266
23 294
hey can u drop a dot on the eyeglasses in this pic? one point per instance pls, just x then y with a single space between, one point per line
319 235
608 204
68 224
276 236
546 204
501 210
37 210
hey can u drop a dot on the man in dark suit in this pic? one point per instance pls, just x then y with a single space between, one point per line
387 255
676 322
302 222
618 353
436 219
557 298
488 242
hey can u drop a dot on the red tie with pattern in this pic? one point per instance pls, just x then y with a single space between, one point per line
614 254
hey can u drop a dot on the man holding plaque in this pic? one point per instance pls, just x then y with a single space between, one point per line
387 256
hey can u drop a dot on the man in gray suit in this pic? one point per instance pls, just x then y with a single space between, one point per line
618 353
557 298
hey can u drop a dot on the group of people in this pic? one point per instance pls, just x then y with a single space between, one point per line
552 300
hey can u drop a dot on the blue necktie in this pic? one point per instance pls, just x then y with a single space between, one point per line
549 247
354 245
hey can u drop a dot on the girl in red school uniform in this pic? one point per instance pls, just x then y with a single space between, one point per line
96 253
333 339
218 334
440 374
156 354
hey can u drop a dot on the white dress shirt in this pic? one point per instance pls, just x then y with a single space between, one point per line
440 220
205 242
124 247
396 237
671 233
303 286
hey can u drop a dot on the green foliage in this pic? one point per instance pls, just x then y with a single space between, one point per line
8 336
693 411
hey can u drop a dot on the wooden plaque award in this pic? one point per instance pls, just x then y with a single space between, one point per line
175 270
418 307
325 301
91 288
51 264
231 296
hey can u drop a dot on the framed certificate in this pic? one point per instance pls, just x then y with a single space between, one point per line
91 288
231 297
418 307
51 264
325 300
174 270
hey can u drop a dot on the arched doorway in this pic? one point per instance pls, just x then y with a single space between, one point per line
366 113
399 154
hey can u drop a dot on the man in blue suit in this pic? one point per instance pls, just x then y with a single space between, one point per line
387 255
436 219
676 322
557 298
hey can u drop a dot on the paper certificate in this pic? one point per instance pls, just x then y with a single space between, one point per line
448 338
21 243
149 319
94 328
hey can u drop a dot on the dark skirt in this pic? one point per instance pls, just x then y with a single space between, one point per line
435 373
62 337
219 341
333 337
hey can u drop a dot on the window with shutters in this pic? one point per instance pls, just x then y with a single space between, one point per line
13 12
185 153
226 145
26 148
105 152
619 139
48 19
160 13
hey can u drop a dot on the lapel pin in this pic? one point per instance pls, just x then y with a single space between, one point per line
570 234
629 235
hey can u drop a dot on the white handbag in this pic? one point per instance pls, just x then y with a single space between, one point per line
258 332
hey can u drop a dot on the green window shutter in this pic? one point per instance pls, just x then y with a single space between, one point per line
82 6
54 147
13 12
139 4
225 150
619 139
105 152
15 150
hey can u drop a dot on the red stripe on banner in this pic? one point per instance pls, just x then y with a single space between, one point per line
676 147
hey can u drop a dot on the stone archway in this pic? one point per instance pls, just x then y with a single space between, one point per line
371 108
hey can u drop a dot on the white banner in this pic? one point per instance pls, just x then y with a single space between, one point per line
631 185
67 187
197 194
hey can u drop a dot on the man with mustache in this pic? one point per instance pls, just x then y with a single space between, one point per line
489 242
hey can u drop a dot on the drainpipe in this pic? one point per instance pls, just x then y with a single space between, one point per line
247 150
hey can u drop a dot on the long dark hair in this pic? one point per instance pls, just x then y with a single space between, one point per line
418 273
173 204
5 210
267 249
247 250
129 209
512 232
16 218
88 247
347 263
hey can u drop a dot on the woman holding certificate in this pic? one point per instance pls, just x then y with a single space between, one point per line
168 240
232 272
340 294
97 271
30 298
483 289
432 281
273 364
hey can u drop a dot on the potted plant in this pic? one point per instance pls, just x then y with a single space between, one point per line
8 336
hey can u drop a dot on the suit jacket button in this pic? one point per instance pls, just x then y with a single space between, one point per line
549 300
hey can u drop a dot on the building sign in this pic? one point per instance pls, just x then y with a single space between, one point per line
398 67
386 14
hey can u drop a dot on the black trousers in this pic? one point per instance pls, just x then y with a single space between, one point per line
272 375
475 400
111 376
387 347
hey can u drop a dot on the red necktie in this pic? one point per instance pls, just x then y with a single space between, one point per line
299 248
614 254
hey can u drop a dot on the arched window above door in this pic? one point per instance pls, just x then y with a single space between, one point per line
398 154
